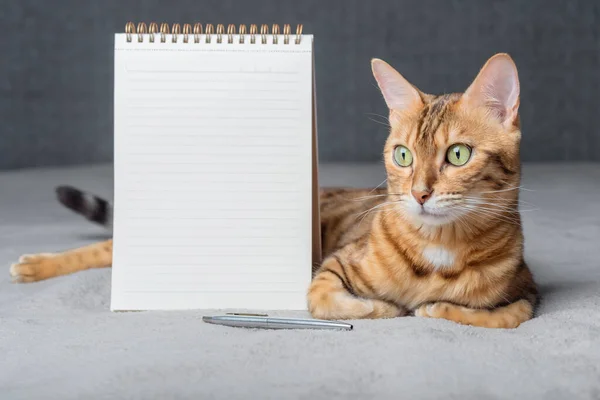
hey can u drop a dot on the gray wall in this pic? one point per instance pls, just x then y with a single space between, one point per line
56 67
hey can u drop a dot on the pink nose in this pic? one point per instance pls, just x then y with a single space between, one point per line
421 195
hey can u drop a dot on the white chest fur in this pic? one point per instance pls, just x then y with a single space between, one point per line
438 256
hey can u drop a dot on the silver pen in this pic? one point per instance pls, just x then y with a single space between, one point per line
265 322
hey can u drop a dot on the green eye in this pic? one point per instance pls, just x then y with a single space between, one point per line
458 154
403 156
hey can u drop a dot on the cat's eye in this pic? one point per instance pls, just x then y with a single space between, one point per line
458 154
403 156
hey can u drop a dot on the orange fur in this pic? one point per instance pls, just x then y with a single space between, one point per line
36 267
467 268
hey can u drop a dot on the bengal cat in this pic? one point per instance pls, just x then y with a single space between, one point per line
443 240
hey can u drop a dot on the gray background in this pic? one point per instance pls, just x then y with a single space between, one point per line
56 67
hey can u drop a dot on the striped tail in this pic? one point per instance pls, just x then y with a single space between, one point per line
91 207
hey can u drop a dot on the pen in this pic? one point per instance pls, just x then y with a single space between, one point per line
248 321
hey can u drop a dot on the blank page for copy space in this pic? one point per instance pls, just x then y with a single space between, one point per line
212 174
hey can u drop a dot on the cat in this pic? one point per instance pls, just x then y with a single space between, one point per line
443 240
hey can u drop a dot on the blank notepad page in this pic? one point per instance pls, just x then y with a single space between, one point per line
212 174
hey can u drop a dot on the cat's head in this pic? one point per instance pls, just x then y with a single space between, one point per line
457 154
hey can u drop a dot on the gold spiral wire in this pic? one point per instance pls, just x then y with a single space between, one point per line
152 29
209 32
176 31
275 32
164 31
298 33
230 33
242 33
129 29
253 31
264 31
197 31
187 29
220 31
286 33
141 30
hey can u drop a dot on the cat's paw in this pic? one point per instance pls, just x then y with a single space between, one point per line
384 309
435 310
32 268
507 317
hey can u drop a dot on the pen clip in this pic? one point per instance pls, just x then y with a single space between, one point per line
248 314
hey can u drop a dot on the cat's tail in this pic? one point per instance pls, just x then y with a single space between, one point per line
88 205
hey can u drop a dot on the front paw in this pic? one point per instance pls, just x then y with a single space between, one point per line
435 310
32 268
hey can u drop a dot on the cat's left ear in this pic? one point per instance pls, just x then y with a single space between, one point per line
497 89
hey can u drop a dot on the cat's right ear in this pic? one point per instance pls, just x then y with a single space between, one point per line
398 93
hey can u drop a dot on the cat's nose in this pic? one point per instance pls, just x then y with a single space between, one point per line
421 195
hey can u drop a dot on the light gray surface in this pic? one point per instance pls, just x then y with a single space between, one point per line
58 339
56 69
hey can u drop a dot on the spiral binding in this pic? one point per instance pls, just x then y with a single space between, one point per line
189 33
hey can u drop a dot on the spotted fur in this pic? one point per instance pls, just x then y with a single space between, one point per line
382 266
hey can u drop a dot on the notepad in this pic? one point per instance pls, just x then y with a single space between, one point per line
215 169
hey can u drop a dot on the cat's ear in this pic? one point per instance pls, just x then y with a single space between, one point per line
497 89
398 93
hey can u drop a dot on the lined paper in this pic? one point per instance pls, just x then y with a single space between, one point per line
213 174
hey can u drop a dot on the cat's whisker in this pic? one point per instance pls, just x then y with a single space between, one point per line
378 186
447 201
506 206
506 210
376 196
474 208
385 122
387 203
493 214
375 86
510 208
492 196
381 123
366 213
384 117
487 216
496 210
509 189
497 199
499 210
465 223
460 219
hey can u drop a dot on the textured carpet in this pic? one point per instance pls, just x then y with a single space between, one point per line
58 339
